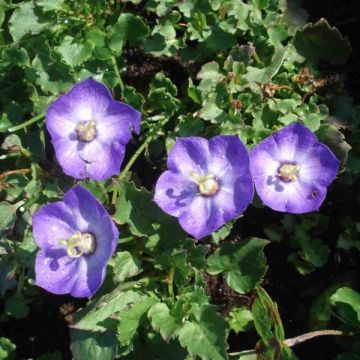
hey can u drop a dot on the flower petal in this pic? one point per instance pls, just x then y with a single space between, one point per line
294 197
55 271
69 159
228 155
293 142
53 223
89 100
189 155
91 216
117 123
174 193
90 277
102 160
320 166
233 201
201 218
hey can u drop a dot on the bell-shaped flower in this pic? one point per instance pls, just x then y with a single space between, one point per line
89 130
208 183
76 238
291 170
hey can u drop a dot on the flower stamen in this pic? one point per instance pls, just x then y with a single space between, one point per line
288 172
208 184
86 130
80 244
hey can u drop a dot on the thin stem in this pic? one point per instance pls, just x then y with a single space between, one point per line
170 282
26 123
301 338
134 157
128 166
295 341
13 172
117 72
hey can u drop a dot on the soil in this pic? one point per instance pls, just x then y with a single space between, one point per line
45 329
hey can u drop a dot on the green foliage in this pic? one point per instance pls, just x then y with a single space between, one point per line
93 345
321 41
244 264
193 68
205 335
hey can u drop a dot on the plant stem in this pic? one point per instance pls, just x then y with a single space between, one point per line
301 338
128 166
26 123
134 157
117 72
13 172
295 341
170 282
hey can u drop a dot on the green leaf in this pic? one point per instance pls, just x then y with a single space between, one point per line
264 75
320 41
131 318
210 110
73 52
261 4
7 349
24 21
267 318
11 142
162 94
347 302
133 98
15 56
8 214
97 38
51 5
93 345
244 264
240 319
335 139
125 266
320 312
205 336
164 321
98 311
16 307
128 28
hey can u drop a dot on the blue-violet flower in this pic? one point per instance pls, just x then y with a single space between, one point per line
208 183
89 130
76 238
291 170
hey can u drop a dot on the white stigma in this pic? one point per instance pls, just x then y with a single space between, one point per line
208 184
86 130
80 244
288 172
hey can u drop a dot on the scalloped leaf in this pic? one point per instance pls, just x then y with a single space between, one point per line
320 41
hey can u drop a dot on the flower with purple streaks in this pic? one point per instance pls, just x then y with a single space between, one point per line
208 183
291 170
89 130
76 238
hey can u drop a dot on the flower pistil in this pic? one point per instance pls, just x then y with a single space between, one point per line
288 172
86 130
208 184
80 244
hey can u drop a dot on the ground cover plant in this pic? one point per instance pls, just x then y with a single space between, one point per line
179 180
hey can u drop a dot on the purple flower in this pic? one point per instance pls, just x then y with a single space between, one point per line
291 170
208 183
76 238
89 130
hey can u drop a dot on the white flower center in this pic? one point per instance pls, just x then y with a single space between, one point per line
288 172
80 244
86 130
208 184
